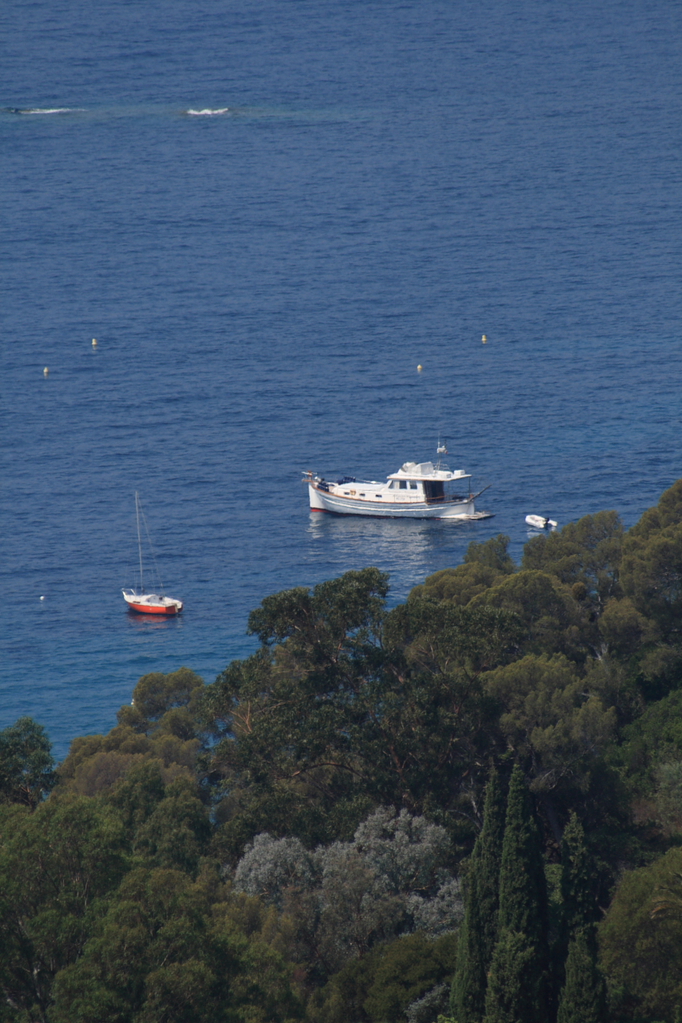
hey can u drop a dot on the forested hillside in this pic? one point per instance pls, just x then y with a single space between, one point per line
468 806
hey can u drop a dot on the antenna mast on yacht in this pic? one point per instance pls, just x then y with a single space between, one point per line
139 538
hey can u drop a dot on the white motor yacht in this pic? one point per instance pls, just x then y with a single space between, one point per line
416 491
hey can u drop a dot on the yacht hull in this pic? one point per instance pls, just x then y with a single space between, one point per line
151 604
323 501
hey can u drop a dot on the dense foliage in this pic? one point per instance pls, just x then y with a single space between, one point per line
466 807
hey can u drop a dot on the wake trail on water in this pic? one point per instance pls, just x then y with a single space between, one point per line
207 112
233 112
43 110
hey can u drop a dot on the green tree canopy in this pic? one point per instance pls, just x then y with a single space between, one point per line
551 720
324 621
493 552
57 865
169 949
624 630
653 739
458 585
640 941
668 512
26 764
327 723
161 725
585 555
484 564
345 898
384 984
554 621
652 563
156 694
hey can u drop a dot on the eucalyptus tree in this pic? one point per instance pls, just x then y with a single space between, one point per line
347 706
392 879
58 865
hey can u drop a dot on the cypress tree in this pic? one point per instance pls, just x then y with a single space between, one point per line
520 963
513 991
583 998
577 880
467 996
478 932
523 888
489 864
583 994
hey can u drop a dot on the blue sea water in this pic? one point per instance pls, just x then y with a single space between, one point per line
268 214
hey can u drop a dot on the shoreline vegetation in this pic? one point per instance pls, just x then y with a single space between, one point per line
465 809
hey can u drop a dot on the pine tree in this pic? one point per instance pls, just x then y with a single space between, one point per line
519 972
478 932
583 998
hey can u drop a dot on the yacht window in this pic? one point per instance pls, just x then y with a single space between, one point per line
434 491
403 485
414 486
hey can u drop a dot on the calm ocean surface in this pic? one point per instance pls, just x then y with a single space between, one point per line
268 214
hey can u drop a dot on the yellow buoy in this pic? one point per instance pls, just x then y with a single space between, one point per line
419 368
484 339
46 371
94 342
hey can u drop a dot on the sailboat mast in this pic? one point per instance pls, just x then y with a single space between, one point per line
139 538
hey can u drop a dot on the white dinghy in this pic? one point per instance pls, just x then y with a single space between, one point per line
539 522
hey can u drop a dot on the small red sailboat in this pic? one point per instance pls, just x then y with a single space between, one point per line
148 603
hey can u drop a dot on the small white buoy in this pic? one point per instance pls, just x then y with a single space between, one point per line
419 368
484 339
46 371
42 598
94 342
